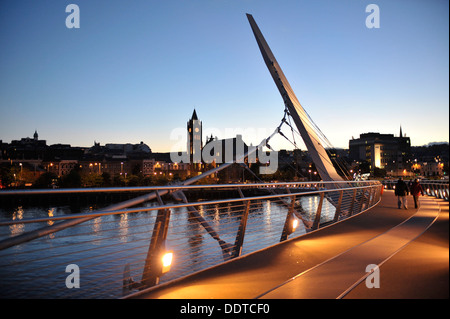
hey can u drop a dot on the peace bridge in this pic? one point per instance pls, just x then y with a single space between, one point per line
336 238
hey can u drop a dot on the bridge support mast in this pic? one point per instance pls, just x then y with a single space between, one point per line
315 148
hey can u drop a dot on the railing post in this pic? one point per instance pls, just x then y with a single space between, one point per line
352 203
361 201
240 192
338 207
376 194
371 196
287 229
318 212
241 232
153 262
436 192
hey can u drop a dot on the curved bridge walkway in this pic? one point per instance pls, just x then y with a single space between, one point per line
410 247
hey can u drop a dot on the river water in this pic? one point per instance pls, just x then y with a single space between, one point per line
102 247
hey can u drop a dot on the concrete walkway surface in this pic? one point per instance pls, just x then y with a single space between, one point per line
410 248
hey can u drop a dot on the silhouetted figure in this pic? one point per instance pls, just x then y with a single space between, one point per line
401 190
416 191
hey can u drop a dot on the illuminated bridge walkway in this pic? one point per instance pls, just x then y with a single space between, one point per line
410 247
266 240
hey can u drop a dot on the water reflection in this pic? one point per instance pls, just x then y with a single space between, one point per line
51 214
17 229
102 246
123 227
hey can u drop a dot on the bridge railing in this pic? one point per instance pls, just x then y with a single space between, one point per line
436 188
109 253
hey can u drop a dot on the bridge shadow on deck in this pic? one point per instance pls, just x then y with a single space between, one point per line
259 273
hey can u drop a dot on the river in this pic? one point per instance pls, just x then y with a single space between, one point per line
102 247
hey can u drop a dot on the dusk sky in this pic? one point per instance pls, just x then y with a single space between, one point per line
135 70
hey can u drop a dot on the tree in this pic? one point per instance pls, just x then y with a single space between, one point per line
106 179
72 180
118 180
133 180
6 175
91 180
46 180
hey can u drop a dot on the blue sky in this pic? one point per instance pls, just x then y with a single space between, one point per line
135 70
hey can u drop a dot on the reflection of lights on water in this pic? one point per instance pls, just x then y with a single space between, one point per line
123 227
51 222
17 229
310 205
96 224
229 209
50 214
268 212
216 214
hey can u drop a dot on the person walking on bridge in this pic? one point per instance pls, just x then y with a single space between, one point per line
401 190
416 190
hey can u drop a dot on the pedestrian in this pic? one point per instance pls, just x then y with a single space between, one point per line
401 190
416 190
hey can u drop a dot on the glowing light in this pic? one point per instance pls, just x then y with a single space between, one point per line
167 261
294 224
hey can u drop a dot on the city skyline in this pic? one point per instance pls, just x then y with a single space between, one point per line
205 139
136 73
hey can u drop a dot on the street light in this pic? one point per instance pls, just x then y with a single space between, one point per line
294 224
166 261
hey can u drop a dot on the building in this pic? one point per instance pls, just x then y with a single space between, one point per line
225 150
26 148
383 151
429 169
59 167
115 151
194 130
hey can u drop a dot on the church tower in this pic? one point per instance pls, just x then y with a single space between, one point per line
194 127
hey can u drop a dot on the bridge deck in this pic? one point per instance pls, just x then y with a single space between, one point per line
331 263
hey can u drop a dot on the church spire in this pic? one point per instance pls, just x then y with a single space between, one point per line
194 115
401 134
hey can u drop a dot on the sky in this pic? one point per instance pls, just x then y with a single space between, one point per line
135 70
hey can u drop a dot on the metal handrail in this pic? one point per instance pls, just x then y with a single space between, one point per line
436 188
148 209
7 192
213 231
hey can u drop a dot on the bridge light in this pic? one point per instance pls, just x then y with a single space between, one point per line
294 224
166 261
